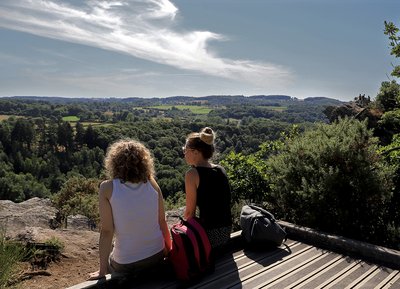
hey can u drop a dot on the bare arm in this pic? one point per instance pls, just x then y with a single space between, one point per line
107 229
161 217
191 184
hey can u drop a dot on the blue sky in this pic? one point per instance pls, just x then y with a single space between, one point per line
160 48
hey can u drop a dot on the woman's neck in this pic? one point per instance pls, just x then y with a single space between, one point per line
203 163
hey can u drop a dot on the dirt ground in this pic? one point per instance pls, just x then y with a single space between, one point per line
29 221
79 258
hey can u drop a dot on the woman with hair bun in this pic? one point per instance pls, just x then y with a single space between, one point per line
131 211
207 187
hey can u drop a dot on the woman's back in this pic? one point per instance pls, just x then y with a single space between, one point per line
214 197
135 215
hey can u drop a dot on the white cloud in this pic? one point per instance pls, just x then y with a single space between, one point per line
141 28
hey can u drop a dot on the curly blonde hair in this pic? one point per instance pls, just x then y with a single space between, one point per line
129 160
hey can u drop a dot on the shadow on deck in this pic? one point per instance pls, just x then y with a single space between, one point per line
309 259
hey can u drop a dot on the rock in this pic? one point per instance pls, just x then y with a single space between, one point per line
78 222
35 212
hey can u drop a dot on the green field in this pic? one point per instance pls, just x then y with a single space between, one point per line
196 109
71 118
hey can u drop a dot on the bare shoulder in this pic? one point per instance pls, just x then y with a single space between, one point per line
106 188
192 175
153 182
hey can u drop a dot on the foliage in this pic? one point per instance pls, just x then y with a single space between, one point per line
247 177
78 196
332 179
10 254
390 120
20 187
55 243
389 95
392 155
392 31
249 174
174 201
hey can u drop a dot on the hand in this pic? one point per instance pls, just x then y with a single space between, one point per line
96 275
166 251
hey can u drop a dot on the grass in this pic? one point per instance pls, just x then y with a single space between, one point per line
196 109
10 254
55 242
71 118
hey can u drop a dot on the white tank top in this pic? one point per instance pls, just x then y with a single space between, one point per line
136 227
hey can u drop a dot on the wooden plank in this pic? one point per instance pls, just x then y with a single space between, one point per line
248 274
341 274
387 279
393 283
289 272
234 277
378 278
363 279
306 279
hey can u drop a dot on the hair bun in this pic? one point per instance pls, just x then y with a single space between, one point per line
207 135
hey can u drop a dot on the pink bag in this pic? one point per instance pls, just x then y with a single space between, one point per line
191 250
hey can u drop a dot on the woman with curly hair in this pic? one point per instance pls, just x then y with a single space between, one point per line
207 187
131 211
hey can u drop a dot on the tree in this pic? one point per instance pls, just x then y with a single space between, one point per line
79 135
20 187
391 30
23 133
389 95
65 136
90 137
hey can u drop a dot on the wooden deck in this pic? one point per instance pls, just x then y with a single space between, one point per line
293 265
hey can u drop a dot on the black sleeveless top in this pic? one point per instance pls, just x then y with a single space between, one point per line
214 197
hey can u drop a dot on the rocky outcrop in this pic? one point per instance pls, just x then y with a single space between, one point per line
34 212
21 219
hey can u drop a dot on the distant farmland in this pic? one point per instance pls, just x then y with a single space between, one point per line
196 109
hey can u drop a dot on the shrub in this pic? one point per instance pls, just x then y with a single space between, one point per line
247 177
78 196
333 179
55 243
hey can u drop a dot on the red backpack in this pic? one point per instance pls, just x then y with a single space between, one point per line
191 250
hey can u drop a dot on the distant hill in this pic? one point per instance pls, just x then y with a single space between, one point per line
323 101
214 100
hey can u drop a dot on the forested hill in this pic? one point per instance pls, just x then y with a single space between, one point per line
210 100
48 142
275 107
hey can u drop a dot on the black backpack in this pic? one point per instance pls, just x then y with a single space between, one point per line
259 227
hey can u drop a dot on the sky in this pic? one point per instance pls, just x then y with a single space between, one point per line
161 48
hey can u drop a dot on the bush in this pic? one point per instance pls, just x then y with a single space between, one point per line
333 179
247 177
78 196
